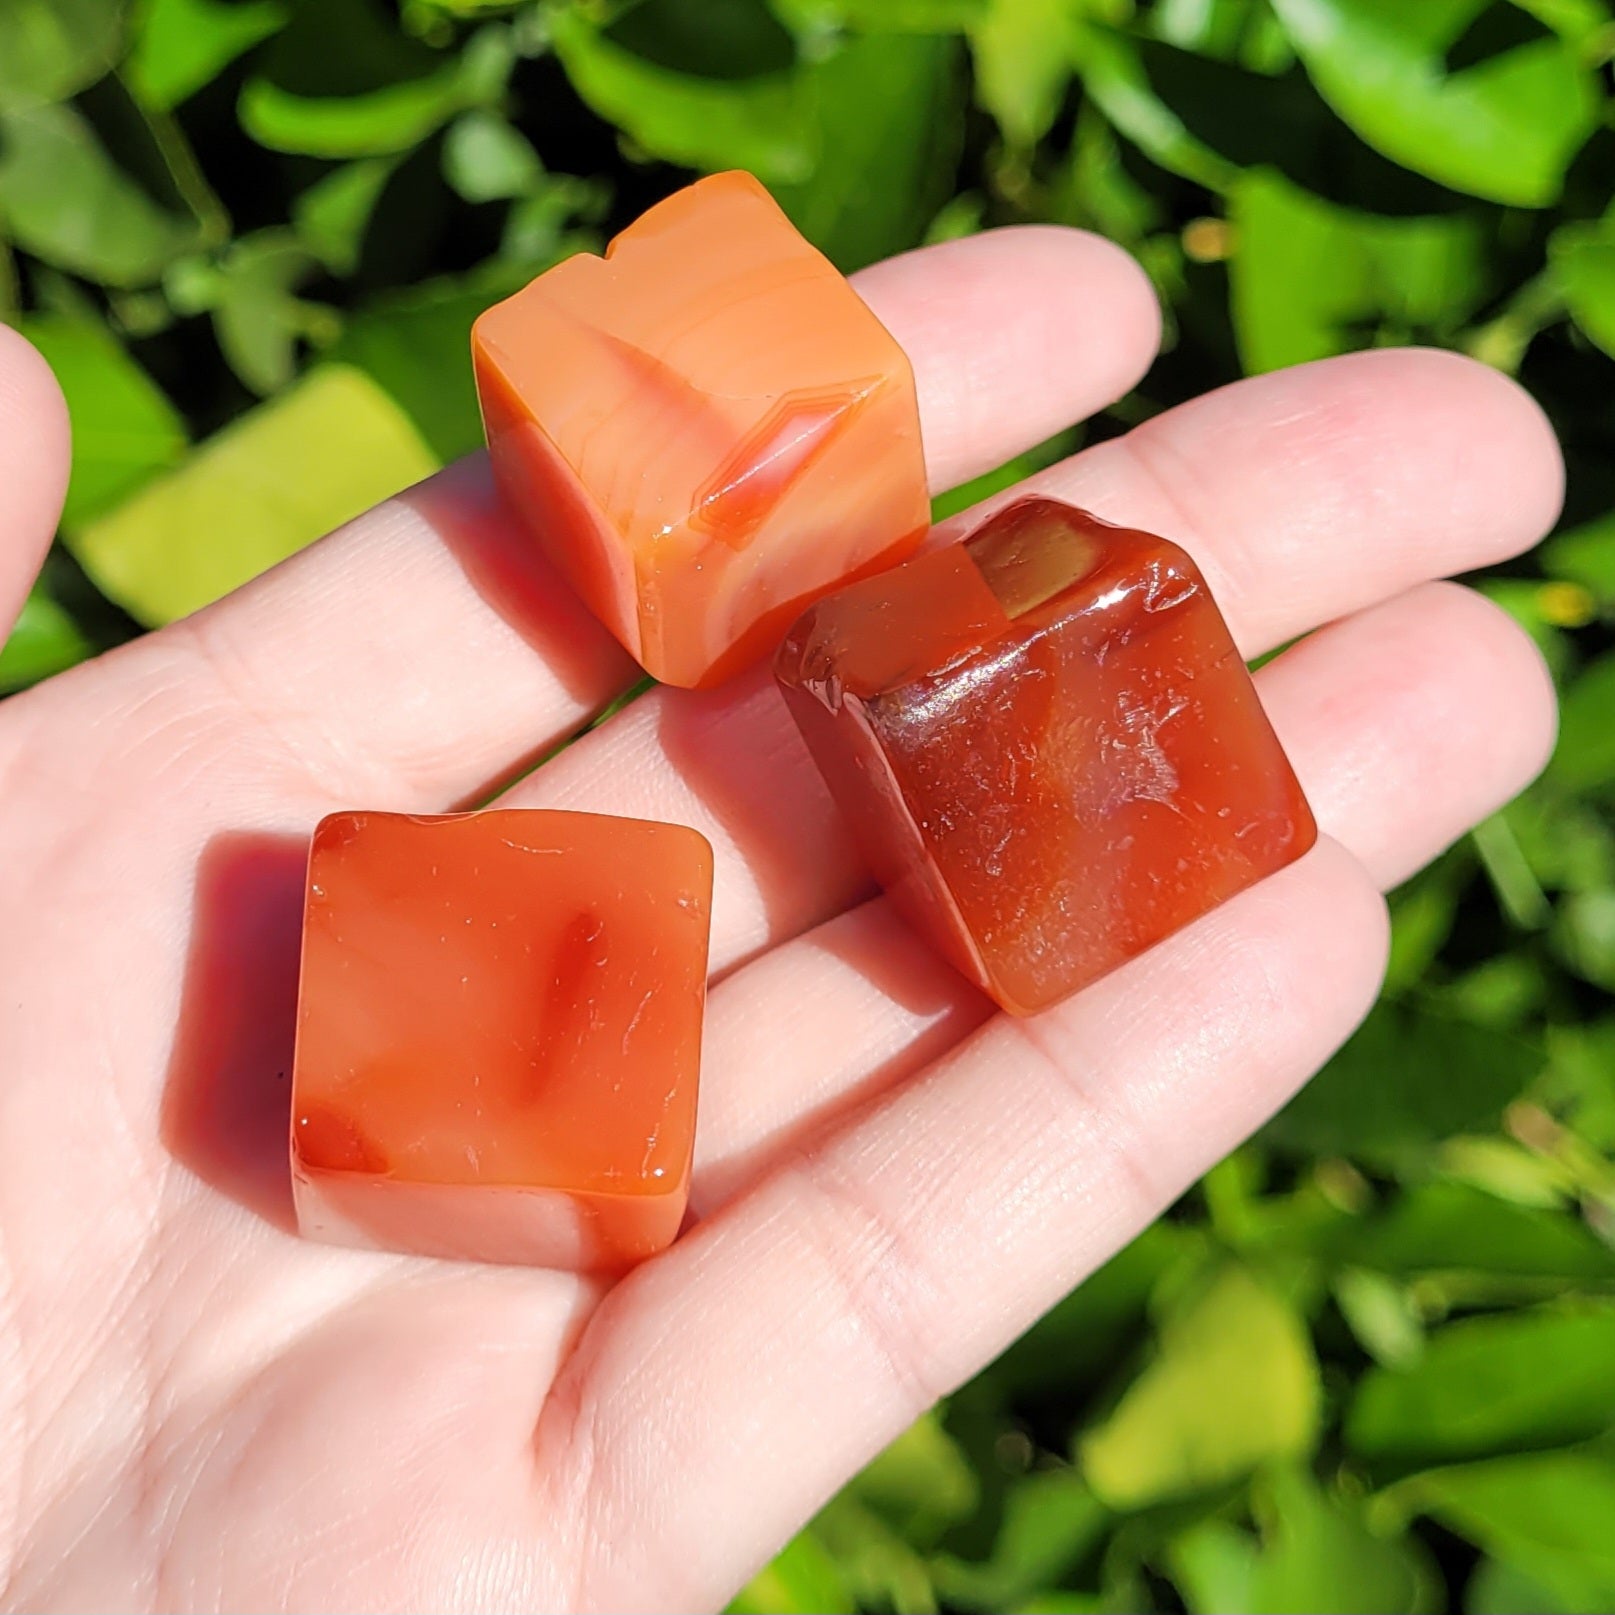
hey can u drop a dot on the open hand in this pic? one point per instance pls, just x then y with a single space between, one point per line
201 1411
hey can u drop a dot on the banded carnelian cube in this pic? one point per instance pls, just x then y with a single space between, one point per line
1047 744
705 429
499 1035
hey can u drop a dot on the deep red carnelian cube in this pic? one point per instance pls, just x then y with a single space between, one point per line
499 1035
704 430
1047 744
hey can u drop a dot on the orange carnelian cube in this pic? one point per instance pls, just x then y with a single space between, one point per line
705 429
499 1035
1047 744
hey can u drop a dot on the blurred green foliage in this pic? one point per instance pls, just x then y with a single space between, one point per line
1369 1363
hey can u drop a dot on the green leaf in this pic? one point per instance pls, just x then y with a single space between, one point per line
182 45
1583 259
1234 1385
1081 1335
1050 1521
1584 936
257 319
416 345
1584 759
890 112
51 49
1504 129
124 428
1023 57
1309 279
1489 1385
713 39
881 16
331 216
1408 1078
43 641
1212 1564
1318 1554
763 123
275 480
341 82
1381 1315
64 199
1500 1589
1546 1514
1113 73
804 1579
1585 555
486 160
922 1483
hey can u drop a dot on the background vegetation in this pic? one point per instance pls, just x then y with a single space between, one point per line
1369 1363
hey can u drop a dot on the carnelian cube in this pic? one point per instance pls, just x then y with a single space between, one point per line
499 1035
705 429
1047 745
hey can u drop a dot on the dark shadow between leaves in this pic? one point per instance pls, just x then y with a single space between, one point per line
227 1102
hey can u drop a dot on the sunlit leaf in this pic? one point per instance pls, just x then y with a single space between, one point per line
43 641
1548 1514
1408 1078
487 160
416 345
124 428
1489 1385
1504 128
64 199
1050 1520
803 1579
922 1482
1113 73
340 82
1318 1554
181 45
332 214
1585 756
1022 51
281 476
763 123
1309 279
889 112
1234 1385
51 48
1583 258
256 317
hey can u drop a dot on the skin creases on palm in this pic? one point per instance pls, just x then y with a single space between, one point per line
202 1411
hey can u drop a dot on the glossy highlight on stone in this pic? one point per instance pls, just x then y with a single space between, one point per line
1047 744
499 1034
705 429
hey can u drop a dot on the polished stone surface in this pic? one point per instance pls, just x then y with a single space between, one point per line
499 1034
1047 744
705 429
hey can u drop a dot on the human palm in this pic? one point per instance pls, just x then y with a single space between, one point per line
199 1410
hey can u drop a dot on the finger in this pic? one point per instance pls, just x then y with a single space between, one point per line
1407 724
1373 472
424 651
785 1341
35 454
1441 465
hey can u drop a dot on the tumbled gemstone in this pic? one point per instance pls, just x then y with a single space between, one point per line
705 429
1047 744
499 1034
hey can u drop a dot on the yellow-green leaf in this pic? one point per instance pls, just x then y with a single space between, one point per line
1234 1384
272 482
